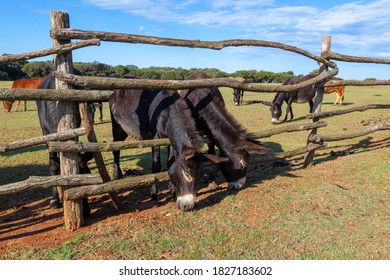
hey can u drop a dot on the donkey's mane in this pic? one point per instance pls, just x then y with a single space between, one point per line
188 121
223 121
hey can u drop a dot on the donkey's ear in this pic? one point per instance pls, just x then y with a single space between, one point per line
253 147
215 159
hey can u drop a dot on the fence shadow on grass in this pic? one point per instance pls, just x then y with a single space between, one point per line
25 150
363 146
12 174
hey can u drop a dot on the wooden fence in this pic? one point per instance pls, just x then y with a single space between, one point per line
62 34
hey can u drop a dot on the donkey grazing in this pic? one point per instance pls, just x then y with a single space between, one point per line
302 95
145 114
223 130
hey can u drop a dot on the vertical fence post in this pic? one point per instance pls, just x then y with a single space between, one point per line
87 121
325 51
73 210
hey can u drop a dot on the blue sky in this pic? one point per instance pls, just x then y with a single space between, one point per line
359 28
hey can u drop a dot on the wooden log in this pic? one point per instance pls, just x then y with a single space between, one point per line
116 185
60 136
357 83
71 146
349 58
73 211
49 181
349 135
54 94
239 83
287 128
346 111
325 51
67 33
55 50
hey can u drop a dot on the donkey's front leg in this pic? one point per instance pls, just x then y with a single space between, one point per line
289 110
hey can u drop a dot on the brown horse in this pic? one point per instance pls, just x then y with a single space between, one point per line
338 89
22 83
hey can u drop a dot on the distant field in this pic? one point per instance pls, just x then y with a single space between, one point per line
6 84
338 208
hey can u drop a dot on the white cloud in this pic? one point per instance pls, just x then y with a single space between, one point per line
239 4
363 23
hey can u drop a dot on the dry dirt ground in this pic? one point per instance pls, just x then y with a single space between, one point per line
27 221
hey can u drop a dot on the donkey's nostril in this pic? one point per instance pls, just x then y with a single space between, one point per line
186 202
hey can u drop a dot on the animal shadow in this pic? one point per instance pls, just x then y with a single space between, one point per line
261 168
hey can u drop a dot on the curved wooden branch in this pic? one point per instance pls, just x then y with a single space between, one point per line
49 181
287 128
54 50
350 135
72 146
121 83
346 111
357 83
54 94
357 59
117 185
62 135
69 33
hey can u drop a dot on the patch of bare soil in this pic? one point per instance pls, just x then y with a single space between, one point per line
27 221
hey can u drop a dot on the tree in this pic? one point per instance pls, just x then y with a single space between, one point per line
120 70
37 68
12 70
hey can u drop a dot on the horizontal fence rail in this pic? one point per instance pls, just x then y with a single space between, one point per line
60 136
72 146
49 181
54 94
50 51
122 83
346 111
348 135
71 33
358 83
357 59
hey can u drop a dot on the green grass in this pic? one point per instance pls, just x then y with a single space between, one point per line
335 209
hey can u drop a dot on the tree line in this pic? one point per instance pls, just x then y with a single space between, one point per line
10 71
24 69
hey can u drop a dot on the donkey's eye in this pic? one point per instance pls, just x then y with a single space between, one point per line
186 176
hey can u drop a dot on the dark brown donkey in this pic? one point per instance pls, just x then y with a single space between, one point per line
301 95
145 114
223 130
